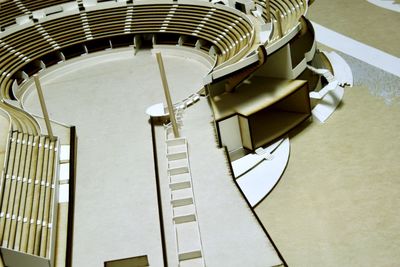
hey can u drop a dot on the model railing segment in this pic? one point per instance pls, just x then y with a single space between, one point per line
33 5
10 10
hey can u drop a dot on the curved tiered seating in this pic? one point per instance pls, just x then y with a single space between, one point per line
40 4
8 12
203 22
290 11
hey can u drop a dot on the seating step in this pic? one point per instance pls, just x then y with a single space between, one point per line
184 177
180 185
176 142
181 197
177 156
179 163
186 256
184 214
176 149
178 170
188 239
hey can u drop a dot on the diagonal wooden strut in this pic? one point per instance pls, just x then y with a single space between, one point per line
167 95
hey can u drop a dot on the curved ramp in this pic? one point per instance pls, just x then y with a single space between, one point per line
257 174
332 94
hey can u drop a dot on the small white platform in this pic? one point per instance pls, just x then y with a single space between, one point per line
156 110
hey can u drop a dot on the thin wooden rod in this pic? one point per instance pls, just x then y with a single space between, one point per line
279 23
43 105
167 95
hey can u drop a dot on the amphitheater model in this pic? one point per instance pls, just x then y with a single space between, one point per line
266 77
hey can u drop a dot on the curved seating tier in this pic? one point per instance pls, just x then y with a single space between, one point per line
10 10
25 52
290 10
33 5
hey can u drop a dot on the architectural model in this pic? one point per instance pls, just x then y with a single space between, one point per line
207 153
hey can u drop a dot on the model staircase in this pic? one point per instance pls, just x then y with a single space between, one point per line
186 227
28 194
332 82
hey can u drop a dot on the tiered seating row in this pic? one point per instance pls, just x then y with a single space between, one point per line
28 196
11 9
40 4
8 12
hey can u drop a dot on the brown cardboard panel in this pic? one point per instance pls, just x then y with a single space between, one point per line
245 132
253 96
140 261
